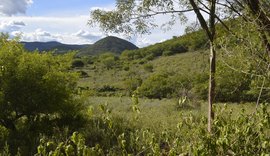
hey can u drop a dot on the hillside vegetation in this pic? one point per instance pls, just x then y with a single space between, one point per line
149 101
172 69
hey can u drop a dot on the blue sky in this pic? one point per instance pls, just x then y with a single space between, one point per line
66 21
64 7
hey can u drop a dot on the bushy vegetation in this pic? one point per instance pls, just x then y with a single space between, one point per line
44 112
163 70
77 63
243 134
188 42
36 91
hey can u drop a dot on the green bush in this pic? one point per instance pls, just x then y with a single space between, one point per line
77 63
108 60
167 53
107 88
132 83
232 85
156 86
200 85
83 74
36 94
148 67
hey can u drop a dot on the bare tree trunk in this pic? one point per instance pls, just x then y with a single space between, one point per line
210 30
212 80
212 85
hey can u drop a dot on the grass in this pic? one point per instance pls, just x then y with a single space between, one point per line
158 115
188 63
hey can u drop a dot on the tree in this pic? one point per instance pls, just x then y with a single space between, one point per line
252 11
252 15
131 16
259 11
36 91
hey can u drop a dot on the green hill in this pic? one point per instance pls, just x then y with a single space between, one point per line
107 44
52 45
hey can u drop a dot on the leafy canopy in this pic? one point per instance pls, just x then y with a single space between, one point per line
34 86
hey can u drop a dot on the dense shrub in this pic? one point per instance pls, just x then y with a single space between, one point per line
132 83
83 74
167 53
108 60
156 86
232 85
107 88
37 95
77 63
148 67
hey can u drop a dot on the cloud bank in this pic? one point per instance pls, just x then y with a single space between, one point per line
9 26
12 7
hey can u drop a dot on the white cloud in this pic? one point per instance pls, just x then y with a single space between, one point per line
109 7
37 35
45 36
40 32
9 26
142 42
12 7
88 35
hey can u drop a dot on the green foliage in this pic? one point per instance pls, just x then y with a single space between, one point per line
245 134
83 74
232 85
188 42
77 63
156 86
148 67
201 86
75 145
108 60
3 136
107 88
167 53
36 91
132 83
243 70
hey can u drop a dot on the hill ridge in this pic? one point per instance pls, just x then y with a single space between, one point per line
108 44
52 45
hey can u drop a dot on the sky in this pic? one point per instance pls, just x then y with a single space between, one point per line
65 21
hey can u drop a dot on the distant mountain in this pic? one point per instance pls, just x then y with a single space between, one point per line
53 45
107 44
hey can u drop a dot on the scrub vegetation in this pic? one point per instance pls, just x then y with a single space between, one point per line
147 101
